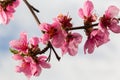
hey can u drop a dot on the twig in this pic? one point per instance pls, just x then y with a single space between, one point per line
38 22
34 8
58 58
82 27
31 10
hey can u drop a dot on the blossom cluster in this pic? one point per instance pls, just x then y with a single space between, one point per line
25 51
7 8
59 34
59 37
96 36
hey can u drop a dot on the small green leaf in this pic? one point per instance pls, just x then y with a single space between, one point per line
13 51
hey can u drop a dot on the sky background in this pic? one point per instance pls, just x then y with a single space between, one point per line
103 64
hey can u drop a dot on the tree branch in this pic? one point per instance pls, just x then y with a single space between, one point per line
82 27
38 22
31 10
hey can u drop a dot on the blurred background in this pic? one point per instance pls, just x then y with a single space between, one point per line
103 64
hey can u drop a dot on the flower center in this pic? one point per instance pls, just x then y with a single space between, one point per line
69 37
65 21
52 32
105 21
5 3
88 27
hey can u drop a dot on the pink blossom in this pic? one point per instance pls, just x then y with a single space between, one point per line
7 10
31 63
46 28
17 57
31 68
114 27
86 12
96 39
58 39
42 62
21 44
54 33
64 20
3 16
34 41
112 12
16 3
71 44
109 20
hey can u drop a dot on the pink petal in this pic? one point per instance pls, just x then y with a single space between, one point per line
10 9
114 27
20 44
112 11
10 16
17 57
18 69
35 69
45 27
89 46
73 44
58 40
100 37
3 17
42 57
34 41
28 59
88 8
16 3
23 36
27 70
6 15
56 25
80 13
78 37
64 48
45 64
72 49
45 38
42 62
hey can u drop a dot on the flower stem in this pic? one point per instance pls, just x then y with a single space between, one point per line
44 50
49 57
31 10
58 58
82 27
35 9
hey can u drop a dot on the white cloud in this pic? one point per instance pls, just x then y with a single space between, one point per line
103 64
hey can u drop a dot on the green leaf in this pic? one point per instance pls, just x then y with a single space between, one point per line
13 51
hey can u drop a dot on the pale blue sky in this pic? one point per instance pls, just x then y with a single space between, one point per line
103 64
